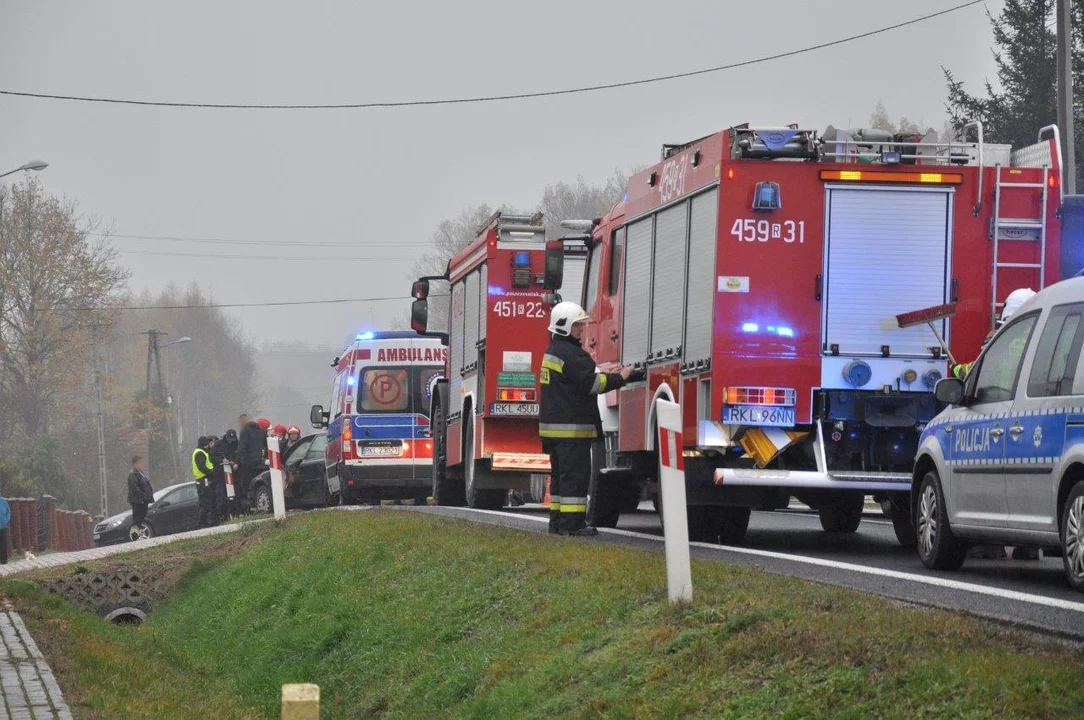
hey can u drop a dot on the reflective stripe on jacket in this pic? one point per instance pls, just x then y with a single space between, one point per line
570 386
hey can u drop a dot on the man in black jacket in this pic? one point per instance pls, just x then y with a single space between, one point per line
140 494
251 449
569 420
221 453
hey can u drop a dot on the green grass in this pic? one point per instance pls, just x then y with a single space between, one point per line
412 616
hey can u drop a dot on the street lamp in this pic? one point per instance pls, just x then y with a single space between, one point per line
178 341
35 165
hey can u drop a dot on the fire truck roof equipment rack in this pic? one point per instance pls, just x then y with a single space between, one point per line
771 143
511 222
669 150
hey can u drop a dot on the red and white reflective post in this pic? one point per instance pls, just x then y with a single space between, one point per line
278 478
675 520
227 469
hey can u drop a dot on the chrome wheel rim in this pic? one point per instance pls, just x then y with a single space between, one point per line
1074 539
927 520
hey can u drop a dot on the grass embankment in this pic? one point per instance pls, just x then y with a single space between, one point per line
417 616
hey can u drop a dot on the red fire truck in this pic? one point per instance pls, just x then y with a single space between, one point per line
757 273
485 411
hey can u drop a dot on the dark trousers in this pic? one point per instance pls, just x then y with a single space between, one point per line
245 475
207 515
219 489
139 514
3 546
570 476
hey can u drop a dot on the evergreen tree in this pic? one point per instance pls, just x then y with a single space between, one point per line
1024 98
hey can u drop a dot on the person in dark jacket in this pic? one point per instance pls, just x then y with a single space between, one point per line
5 522
202 472
140 494
251 450
568 420
220 456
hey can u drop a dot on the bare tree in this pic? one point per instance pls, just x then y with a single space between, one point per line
57 286
580 201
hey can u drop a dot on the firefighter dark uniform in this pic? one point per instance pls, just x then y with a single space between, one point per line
569 423
202 472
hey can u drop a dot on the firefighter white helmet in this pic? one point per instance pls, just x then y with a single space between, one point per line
564 316
1014 301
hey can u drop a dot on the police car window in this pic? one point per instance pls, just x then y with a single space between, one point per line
1054 367
384 390
594 265
316 450
1000 366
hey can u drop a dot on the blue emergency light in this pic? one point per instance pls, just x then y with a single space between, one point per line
521 259
366 335
766 196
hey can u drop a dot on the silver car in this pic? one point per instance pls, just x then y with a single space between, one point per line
1005 462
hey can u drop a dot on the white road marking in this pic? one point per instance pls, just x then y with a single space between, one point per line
837 565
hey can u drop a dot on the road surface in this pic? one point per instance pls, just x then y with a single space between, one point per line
1029 593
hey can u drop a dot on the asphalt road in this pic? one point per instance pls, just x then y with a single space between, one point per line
1028 593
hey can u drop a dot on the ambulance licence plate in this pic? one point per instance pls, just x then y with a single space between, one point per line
758 415
517 409
381 450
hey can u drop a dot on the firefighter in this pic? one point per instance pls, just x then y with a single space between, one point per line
202 470
569 421
293 434
1012 303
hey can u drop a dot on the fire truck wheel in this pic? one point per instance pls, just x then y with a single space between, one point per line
477 498
904 525
603 499
447 490
718 523
843 516
734 522
938 547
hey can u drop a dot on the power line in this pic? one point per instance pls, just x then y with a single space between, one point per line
295 258
497 98
280 243
229 305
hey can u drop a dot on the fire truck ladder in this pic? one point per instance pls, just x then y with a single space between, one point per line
1029 225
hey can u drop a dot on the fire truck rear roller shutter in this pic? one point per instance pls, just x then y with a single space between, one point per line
700 293
637 300
887 253
483 301
668 284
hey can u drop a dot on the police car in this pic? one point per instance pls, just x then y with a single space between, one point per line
1005 462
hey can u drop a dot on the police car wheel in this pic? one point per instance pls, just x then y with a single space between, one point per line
938 548
1072 537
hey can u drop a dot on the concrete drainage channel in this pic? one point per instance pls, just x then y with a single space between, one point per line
124 596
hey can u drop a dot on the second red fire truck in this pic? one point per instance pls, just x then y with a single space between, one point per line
757 274
485 411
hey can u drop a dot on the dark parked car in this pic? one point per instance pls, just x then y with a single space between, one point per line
306 477
175 509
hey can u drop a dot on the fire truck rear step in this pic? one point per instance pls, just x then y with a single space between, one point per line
868 482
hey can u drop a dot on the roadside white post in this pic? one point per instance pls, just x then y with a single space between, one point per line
679 578
227 468
278 479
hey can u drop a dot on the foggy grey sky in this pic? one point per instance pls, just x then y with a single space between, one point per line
385 176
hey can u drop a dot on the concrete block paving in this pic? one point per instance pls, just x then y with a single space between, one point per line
27 686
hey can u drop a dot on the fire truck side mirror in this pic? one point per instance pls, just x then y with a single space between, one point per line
419 315
420 291
555 266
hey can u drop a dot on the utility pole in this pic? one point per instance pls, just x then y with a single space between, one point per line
102 475
1065 94
160 398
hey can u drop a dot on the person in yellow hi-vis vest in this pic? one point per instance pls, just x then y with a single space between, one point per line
202 471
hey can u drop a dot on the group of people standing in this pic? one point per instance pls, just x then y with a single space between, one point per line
241 453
